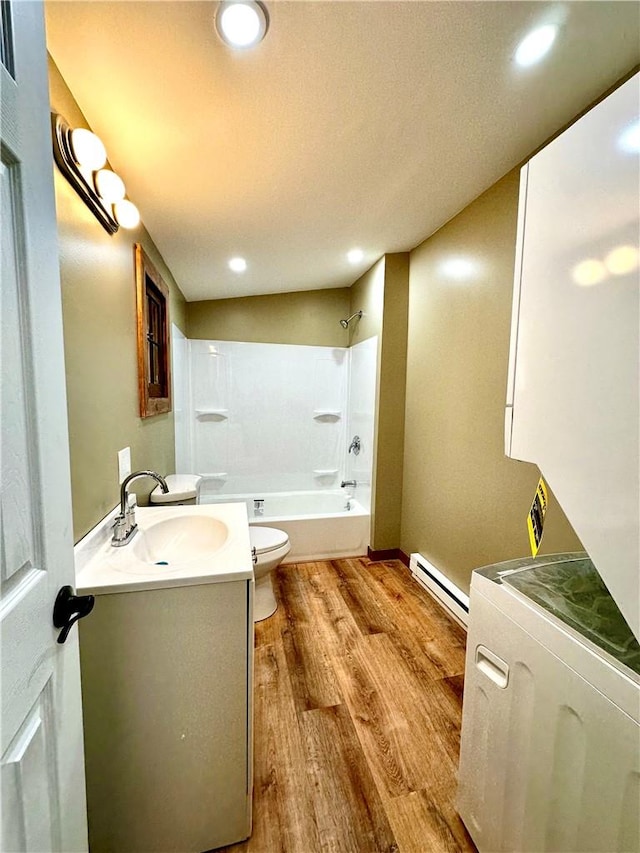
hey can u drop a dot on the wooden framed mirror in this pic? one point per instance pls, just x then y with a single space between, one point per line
154 362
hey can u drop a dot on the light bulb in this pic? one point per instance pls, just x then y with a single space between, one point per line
242 24
109 186
354 256
536 45
88 149
126 213
237 264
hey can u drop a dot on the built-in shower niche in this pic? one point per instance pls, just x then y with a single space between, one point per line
269 416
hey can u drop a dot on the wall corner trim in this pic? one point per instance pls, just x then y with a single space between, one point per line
388 554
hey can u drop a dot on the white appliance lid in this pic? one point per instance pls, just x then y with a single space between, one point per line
182 487
265 539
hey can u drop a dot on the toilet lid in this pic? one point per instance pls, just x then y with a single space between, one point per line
265 539
182 487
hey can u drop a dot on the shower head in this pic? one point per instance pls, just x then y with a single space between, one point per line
345 323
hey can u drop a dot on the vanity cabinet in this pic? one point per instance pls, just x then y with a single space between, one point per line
167 701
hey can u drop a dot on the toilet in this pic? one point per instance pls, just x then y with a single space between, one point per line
183 489
269 546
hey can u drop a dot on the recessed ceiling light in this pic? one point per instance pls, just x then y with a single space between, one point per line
629 139
354 256
242 23
237 264
536 45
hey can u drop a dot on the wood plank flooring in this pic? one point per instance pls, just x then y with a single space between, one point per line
358 698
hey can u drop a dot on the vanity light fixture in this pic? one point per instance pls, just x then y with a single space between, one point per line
81 157
109 186
126 213
242 23
87 148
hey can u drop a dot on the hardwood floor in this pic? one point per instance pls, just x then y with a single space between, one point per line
358 697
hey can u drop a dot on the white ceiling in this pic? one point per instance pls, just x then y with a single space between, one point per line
363 124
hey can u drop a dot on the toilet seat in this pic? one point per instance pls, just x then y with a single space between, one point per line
267 539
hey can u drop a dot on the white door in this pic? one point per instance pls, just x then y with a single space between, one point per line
42 761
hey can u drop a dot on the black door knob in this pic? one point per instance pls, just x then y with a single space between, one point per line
68 608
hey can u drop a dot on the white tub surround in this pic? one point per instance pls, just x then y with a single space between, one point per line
261 412
361 407
274 417
181 400
274 422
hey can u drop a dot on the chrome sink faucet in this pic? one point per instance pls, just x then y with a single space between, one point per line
125 527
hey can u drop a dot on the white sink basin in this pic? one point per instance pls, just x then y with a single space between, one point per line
179 539
174 546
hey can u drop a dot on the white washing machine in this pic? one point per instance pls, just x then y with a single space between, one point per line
550 755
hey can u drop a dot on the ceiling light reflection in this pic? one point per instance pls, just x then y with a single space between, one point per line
237 264
589 272
622 260
629 139
354 256
459 269
534 46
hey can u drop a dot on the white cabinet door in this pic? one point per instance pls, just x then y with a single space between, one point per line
575 345
42 769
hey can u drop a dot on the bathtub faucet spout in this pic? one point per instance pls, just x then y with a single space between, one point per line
348 483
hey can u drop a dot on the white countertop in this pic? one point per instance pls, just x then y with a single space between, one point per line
103 569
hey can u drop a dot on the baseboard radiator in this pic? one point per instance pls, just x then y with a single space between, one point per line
446 593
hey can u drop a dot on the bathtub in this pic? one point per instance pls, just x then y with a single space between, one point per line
318 523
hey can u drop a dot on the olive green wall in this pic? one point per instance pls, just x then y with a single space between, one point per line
367 295
382 295
388 473
99 314
464 503
310 317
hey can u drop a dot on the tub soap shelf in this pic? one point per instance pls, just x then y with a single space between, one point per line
212 414
325 472
327 415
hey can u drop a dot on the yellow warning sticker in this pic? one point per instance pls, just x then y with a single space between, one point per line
535 519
